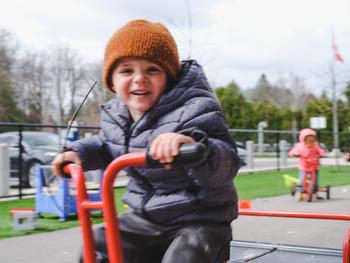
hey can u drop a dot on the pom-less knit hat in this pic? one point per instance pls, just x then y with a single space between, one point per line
144 39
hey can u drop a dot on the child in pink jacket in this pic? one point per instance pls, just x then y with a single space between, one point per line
309 152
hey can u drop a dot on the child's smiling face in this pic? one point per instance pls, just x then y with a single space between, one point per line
139 83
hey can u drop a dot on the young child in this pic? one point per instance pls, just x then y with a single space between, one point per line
179 213
309 152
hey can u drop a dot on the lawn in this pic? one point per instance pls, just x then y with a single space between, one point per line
48 222
267 184
249 186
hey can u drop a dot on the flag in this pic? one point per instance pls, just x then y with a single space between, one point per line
337 55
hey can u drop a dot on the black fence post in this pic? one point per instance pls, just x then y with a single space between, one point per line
318 133
20 160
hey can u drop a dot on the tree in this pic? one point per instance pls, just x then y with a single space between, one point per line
347 92
346 115
270 113
9 112
266 92
8 47
90 112
288 117
318 107
298 96
68 81
33 90
237 111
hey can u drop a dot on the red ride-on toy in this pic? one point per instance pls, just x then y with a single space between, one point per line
309 185
188 154
240 251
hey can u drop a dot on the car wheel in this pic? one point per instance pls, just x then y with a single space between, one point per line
31 174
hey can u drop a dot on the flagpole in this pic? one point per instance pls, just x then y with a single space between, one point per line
334 103
335 115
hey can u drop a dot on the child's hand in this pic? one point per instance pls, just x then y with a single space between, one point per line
166 146
62 158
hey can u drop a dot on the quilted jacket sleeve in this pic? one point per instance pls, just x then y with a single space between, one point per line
92 152
204 122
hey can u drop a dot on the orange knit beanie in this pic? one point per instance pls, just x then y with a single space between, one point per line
144 39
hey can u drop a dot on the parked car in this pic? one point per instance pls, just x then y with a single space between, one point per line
242 153
38 148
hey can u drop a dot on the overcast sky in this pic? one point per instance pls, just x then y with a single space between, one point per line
233 39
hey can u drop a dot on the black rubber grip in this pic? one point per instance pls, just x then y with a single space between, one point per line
189 153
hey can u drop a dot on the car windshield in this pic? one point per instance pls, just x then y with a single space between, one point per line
39 139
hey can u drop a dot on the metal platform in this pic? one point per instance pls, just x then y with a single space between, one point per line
244 251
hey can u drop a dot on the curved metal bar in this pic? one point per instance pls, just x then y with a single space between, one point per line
295 214
77 175
306 215
109 211
346 247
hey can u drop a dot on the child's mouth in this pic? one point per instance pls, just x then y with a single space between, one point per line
140 92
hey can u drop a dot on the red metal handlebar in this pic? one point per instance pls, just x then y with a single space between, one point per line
107 205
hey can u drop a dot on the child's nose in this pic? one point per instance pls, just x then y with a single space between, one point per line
139 77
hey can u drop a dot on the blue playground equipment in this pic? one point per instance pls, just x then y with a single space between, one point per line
61 202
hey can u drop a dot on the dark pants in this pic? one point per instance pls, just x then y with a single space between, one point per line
146 242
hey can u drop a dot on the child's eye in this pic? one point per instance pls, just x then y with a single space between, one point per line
125 71
154 70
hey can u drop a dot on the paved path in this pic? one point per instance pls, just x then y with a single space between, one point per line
293 231
63 246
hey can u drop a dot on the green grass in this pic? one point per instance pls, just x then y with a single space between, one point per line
48 222
268 184
249 186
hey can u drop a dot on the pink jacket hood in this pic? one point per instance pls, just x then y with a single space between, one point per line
306 132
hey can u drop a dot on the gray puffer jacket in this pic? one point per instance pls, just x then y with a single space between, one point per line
202 191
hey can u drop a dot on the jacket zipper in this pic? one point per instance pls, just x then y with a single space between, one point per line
151 191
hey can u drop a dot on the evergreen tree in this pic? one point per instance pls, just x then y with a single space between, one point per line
237 111
347 92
